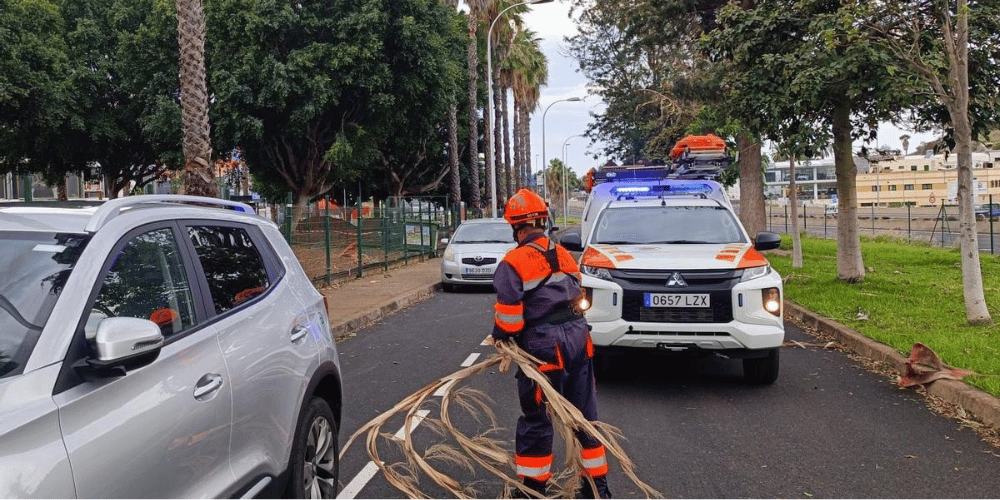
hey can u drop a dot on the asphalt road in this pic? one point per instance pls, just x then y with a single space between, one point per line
827 428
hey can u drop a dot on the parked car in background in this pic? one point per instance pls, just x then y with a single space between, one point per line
161 347
474 251
989 210
831 210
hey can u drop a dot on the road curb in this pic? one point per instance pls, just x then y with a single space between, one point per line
978 404
379 311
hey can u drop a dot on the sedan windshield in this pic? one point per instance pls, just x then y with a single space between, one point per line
667 225
484 233
35 267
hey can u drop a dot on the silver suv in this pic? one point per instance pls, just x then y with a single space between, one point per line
161 346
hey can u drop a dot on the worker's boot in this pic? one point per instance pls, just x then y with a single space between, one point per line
602 488
539 486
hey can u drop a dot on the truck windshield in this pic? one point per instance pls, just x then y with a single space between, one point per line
35 267
667 225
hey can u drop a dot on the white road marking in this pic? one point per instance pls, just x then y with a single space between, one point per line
469 360
368 472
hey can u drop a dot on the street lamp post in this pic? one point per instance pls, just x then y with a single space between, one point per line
489 102
565 180
544 166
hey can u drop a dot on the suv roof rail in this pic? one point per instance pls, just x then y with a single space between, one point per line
112 208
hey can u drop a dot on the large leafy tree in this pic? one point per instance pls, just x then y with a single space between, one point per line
936 42
120 90
36 97
802 61
316 92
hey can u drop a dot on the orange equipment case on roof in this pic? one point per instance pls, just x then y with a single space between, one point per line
698 143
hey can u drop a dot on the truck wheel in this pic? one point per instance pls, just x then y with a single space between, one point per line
315 461
762 370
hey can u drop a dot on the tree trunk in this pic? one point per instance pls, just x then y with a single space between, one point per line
197 148
62 189
508 172
472 60
752 211
456 180
522 179
976 311
526 139
794 201
850 266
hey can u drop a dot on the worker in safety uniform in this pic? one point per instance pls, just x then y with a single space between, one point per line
538 294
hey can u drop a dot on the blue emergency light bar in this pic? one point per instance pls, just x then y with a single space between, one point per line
668 187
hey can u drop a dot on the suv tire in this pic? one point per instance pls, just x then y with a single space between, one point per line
315 461
763 370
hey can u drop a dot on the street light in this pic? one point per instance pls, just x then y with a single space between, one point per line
565 180
489 102
568 99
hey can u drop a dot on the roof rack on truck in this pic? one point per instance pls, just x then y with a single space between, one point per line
701 157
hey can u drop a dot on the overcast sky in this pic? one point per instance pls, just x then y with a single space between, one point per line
564 120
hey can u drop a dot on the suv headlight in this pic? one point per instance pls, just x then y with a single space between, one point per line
752 273
597 272
449 253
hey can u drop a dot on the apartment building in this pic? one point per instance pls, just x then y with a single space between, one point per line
889 181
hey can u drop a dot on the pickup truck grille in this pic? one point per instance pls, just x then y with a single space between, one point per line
717 283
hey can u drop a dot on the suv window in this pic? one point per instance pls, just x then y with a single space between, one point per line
35 268
232 264
147 280
670 224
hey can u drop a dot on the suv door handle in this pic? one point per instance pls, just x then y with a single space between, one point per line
299 333
207 384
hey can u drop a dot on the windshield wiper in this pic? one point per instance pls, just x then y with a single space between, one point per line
681 242
619 242
7 306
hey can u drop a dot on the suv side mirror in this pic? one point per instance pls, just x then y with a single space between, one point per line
571 241
767 240
126 342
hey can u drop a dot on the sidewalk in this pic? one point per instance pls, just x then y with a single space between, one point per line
360 302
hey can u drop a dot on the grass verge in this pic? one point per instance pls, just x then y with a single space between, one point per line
910 294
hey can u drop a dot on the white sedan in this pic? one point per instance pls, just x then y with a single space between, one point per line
473 253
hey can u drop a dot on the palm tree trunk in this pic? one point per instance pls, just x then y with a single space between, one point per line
518 163
197 148
526 139
472 59
456 181
497 141
508 173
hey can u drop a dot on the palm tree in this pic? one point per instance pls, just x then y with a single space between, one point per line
476 10
905 140
197 147
503 36
529 70
453 164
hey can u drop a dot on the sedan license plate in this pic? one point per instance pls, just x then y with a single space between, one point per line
676 300
478 270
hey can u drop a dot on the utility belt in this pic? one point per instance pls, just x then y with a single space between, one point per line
564 314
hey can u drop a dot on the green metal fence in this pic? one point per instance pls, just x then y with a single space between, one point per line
334 243
936 226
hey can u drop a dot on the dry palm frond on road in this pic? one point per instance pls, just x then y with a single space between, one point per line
482 450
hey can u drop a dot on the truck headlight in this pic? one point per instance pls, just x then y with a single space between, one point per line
772 300
586 300
597 272
752 273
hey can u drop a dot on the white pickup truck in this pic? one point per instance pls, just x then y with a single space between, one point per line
668 267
